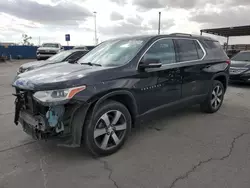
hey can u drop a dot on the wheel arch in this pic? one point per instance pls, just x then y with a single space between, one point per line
123 96
223 78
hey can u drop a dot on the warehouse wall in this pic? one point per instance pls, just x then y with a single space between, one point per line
23 52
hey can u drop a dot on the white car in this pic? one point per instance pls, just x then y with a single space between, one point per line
47 50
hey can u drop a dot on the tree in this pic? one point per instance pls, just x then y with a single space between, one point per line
25 40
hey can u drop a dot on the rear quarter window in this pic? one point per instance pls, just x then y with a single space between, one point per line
214 49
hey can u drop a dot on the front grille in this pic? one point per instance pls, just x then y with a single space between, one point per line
46 52
49 53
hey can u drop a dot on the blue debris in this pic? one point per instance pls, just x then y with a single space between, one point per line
54 114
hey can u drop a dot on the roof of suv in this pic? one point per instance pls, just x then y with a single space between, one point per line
175 35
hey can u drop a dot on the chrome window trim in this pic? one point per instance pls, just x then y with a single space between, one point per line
176 63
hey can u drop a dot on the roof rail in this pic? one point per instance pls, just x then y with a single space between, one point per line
181 34
204 37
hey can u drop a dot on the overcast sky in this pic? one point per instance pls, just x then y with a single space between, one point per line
52 19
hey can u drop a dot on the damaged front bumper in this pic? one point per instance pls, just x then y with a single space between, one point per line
61 122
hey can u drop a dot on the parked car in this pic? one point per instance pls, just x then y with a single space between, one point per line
99 99
47 50
232 52
240 67
68 55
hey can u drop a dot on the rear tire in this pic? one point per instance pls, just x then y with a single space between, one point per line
107 129
214 99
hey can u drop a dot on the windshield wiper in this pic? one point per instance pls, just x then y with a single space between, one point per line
91 64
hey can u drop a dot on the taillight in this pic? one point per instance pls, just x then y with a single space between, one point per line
228 61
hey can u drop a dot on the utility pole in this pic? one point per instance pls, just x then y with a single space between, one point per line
159 24
95 28
227 43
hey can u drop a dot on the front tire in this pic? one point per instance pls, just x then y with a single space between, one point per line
107 128
214 99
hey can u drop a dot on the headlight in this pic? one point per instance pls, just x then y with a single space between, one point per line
59 95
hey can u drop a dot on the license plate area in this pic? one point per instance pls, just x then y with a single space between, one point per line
35 133
36 122
28 118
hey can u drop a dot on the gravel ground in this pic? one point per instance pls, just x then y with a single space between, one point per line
179 149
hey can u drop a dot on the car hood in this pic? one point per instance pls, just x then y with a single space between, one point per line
47 48
35 64
243 64
56 76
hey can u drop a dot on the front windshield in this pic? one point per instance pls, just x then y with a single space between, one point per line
60 56
51 45
113 53
242 56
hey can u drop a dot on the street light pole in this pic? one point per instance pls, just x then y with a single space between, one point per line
159 24
39 41
95 28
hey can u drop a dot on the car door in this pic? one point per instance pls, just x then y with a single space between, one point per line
161 85
189 56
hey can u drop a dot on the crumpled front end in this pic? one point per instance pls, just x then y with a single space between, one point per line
45 122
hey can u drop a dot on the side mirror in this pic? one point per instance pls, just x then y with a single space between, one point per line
150 63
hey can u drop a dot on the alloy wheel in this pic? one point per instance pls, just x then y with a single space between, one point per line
110 129
217 96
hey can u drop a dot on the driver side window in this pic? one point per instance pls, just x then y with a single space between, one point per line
163 50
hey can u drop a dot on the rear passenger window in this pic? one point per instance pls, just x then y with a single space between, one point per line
163 50
186 50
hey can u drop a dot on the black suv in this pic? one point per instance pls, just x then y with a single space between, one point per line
97 100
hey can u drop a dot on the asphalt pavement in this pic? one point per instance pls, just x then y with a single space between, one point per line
182 149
